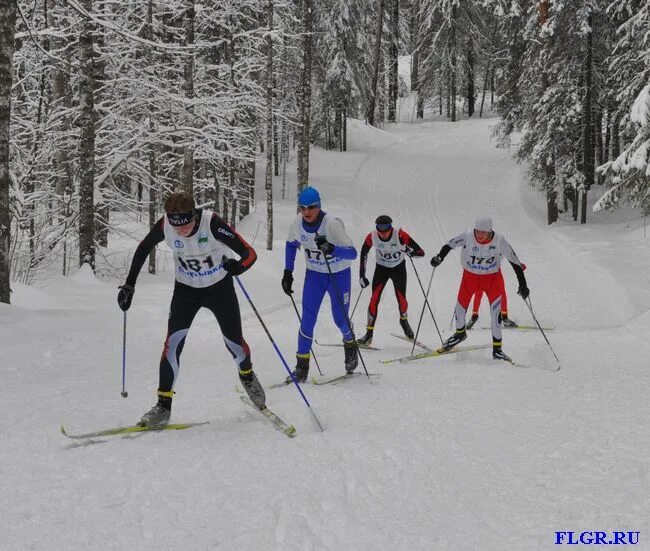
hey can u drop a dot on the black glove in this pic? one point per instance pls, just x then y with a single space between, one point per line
287 282
436 261
363 281
125 296
324 245
232 266
523 292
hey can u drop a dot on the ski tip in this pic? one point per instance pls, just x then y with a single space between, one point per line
63 431
290 431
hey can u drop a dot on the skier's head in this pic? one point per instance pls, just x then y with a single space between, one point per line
384 223
180 212
483 228
309 203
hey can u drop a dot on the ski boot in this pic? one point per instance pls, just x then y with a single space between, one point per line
408 332
472 322
253 388
459 336
351 355
158 416
301 371
507 322
366 340
497 353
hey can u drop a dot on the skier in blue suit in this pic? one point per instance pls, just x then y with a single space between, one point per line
329 252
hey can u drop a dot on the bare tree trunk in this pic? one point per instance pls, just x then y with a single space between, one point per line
87 143
485 82
305 96
549 167
588 127
102 208
7 33
393 86
370 115
187 173
269 131
470 82
454 62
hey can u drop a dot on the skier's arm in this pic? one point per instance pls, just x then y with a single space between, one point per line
229 237
365 249
406 240
343 246
517 266
156 235
454 242
291 249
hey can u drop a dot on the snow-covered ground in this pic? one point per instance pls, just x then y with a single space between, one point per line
451 453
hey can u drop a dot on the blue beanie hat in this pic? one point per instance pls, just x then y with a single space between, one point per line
309 196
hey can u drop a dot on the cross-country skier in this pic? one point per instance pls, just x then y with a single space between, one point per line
202 244
328 255
391 246
483 250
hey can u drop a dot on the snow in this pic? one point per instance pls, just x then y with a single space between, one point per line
458 452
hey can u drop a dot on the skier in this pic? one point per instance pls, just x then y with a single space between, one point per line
329 252
483 250
478 296
202 243
390 248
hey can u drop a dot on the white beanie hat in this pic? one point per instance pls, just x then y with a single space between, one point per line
483 223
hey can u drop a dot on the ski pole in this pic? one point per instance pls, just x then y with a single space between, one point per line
417 331
347 318
426 300
530 307
277 350
356 303
311 348
124 392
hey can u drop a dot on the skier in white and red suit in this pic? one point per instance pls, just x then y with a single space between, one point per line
391 246
481 256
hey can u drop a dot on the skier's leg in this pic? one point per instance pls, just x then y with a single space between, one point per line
313 292
182 310
339 292
398 276
185 303
468 285
493 286
379 279
222 301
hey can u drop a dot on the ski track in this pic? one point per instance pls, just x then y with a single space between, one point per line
456 452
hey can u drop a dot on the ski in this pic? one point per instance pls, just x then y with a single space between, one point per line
521 328
340 345
129 430
277 423
417 343
524 366
341 378
434 353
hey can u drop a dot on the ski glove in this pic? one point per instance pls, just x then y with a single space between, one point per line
324 245
125 296
414 253
287 282
523 291
232 266
436 261
363 282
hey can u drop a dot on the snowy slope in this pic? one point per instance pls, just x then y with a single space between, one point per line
449 453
